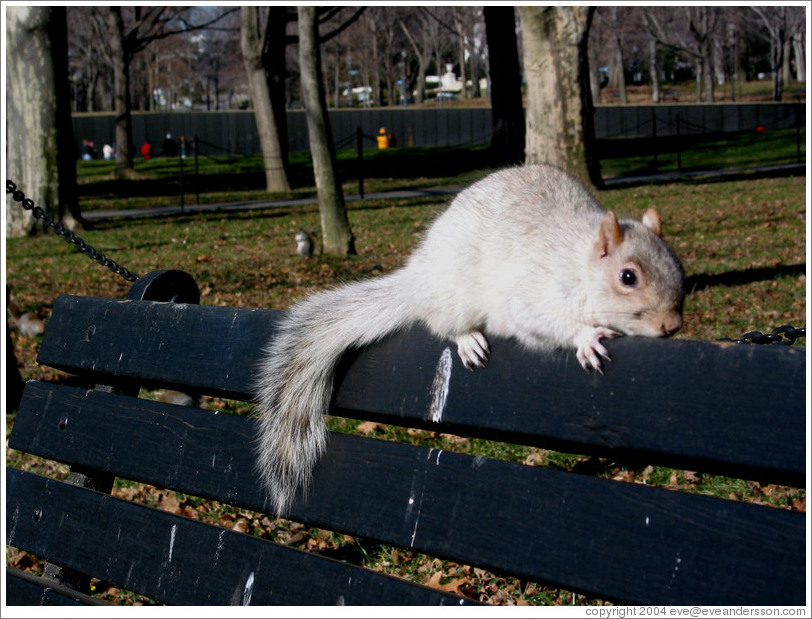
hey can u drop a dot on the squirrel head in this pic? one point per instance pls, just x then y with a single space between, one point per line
639 279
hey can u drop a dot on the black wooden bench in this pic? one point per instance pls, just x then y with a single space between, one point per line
727 409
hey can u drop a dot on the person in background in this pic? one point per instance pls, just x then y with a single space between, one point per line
145 149
169 147
87 151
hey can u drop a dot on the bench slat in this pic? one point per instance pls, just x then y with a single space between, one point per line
161 343
640 410
536 523
181 561
24 589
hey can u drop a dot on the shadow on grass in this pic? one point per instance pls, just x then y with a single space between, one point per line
702 281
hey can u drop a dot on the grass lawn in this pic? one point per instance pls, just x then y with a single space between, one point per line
742 244
739 150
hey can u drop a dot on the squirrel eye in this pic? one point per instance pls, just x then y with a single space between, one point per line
628 277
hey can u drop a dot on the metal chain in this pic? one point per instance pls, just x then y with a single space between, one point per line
68 235
785 334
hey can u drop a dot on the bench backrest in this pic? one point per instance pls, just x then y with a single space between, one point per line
728 409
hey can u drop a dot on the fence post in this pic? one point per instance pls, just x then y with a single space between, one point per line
654 134
359 135
798 131
180 171
197 171
679 147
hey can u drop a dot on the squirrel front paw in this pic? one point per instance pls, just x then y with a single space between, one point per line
589 349
473 349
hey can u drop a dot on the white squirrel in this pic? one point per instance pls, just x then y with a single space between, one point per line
29 323
525 253
305 242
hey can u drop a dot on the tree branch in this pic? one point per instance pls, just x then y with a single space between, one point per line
334 33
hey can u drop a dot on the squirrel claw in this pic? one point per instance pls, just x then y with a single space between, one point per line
590 350
473 349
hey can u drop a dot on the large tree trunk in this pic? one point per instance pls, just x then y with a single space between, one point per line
786 66
709 73
41 155
560 124
377 82
654 70
121 94
777 51
617 67
800 58
505 87
460 28
252 42
336 234
423 51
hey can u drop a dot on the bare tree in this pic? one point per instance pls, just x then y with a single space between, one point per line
372 25
125 150
798 48
392 45
599 50
336 233
693 31
468 29
216 56
617 67
781 22
41 152
703 24
422 31
127 37
260 36
459 14
560 128
88 57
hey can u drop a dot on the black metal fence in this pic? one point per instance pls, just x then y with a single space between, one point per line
234 132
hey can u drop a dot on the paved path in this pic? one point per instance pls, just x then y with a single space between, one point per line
224 207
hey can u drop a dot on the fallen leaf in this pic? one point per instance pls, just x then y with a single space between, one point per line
369 427
452 586
626 476
537 457
692 477
454 439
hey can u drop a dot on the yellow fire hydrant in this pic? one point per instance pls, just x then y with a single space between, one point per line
383 138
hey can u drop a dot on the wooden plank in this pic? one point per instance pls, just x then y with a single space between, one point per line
622 541
24 589
167 344
662 402
181 561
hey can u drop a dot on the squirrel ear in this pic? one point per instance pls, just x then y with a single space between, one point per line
610 235
652 221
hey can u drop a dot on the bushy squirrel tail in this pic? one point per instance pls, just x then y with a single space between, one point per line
295 381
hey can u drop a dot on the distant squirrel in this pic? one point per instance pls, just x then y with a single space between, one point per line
305 242
525 253
28 323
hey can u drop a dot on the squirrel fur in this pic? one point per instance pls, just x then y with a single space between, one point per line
305 242
525 253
